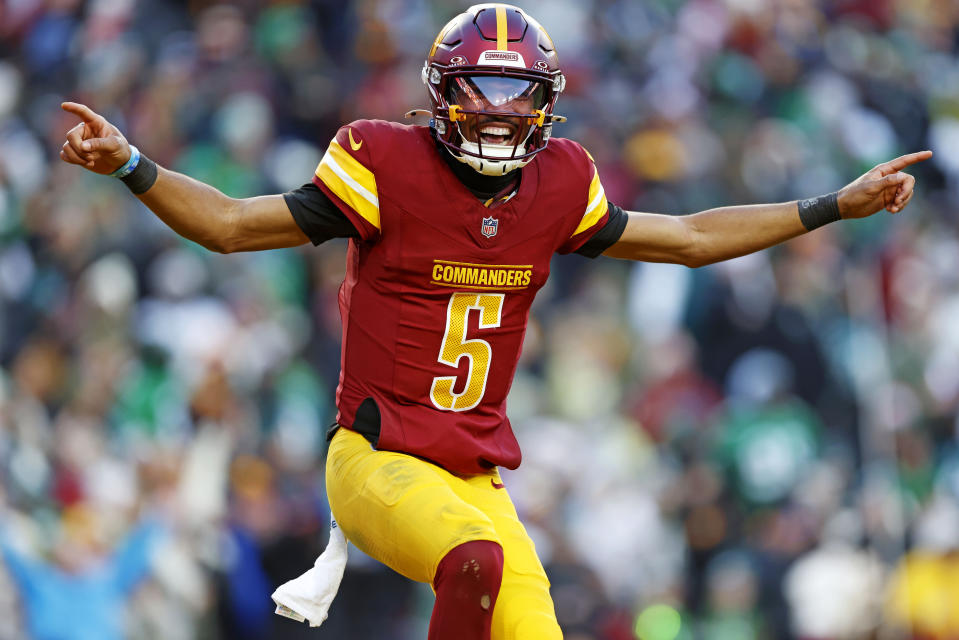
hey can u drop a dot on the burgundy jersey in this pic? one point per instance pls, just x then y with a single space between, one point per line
438 288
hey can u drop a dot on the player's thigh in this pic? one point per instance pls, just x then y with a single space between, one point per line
397 508
524 608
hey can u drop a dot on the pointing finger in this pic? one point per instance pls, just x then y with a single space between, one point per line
82 111
902 162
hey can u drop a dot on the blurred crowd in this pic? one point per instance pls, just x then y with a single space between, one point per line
767 448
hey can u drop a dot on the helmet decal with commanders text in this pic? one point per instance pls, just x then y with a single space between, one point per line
508 58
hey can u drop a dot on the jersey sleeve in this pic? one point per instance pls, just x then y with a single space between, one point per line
593 217
347 174
607 235
317 215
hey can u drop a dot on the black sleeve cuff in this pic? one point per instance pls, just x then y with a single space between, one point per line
317 216
606 237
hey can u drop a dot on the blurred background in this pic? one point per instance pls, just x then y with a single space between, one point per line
760 449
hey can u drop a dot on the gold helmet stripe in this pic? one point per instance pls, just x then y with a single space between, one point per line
440 35
501 40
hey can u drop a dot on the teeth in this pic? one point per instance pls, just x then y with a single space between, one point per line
495 131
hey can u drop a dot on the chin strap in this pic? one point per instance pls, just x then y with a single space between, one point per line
491 166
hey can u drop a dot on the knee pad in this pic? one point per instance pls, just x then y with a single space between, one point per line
471 573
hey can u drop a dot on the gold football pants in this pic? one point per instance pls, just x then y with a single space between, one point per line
408 513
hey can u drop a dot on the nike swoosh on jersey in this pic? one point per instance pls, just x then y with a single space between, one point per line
353 143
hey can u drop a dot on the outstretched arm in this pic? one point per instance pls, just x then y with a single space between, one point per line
729 232
193 209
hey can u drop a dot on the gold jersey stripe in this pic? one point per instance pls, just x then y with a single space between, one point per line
352 183
595 188
501 30
596 206
353 167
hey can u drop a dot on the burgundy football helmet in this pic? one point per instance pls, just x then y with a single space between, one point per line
493 77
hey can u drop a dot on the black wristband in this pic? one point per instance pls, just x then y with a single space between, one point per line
142 177
816 212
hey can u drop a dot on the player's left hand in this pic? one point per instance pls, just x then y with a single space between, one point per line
883 187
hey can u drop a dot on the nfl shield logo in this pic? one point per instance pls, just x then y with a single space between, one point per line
489 227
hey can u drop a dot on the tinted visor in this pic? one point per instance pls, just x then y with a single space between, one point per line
496 93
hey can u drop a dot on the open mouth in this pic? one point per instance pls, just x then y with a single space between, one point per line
496 133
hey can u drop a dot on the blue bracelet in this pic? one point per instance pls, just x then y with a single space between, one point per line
131 164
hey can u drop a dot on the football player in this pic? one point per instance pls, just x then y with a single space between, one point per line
452 229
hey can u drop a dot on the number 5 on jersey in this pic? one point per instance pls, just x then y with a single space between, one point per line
456 346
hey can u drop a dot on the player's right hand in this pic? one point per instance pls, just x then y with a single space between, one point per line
94 144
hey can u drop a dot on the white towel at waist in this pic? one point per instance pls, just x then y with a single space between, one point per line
309 597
